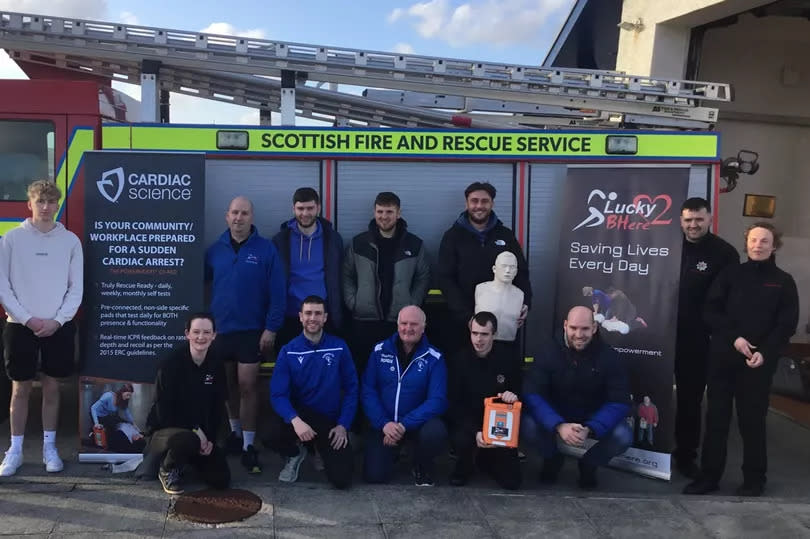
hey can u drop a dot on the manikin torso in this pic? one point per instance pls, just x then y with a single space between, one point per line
501 297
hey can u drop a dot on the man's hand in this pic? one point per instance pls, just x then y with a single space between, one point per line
479 441
266 341
755 361
303 430
34 324
49 327
524 312
338 437
744 347
572 433
393 431
508 397
205 444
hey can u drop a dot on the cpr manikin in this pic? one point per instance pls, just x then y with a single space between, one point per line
500 297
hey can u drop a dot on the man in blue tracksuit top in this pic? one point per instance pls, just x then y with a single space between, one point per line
312 252
247 299
314 393
577 389
404 393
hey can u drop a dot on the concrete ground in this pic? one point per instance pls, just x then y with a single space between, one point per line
88 501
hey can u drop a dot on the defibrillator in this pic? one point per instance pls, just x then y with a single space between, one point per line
501 422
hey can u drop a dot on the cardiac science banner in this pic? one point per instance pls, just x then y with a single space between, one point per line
143 251
620 254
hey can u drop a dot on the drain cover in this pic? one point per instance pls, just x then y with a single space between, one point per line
217 506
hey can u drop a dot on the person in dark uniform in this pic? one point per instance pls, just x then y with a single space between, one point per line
703 257
753 310
190 395
484 369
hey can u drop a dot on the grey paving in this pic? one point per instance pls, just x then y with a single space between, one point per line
87 501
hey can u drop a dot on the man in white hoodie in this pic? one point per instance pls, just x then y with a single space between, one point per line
41 283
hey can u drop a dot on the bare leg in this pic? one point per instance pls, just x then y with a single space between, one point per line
50 402
18 411
248 375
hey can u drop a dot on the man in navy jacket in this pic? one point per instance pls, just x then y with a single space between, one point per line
577 389
247 300
404 393
314 392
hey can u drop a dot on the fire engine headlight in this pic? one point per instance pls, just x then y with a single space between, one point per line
621 145
232 140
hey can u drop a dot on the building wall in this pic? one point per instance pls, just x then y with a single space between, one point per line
771 116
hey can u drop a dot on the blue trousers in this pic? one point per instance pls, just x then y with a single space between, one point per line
613 443
429 441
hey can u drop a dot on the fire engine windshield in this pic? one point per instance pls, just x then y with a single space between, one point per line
26 154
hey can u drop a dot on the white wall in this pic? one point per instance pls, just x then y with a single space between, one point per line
768 112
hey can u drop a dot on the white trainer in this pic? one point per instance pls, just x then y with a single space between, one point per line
11 462
51 460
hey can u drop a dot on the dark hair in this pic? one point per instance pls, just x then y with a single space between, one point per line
318 300
481 186
200 315
120 402
306 194
696 204
482 318
387 198
777 234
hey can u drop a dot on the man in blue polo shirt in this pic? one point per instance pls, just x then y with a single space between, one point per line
314 393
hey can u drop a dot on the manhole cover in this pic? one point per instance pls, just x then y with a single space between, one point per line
217 506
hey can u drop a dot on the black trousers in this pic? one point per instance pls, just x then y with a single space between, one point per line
365 334
502 463
338 463
691 370
730 382
181 447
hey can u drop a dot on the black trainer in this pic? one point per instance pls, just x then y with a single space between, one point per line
587 476
170 480
750 489
551 469
460 475
701 486
421 477
688 468
233 444
250 460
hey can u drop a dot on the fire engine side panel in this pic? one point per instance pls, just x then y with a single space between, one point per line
269 184
432 195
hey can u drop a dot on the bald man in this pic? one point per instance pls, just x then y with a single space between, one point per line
248 297
404 393
577 389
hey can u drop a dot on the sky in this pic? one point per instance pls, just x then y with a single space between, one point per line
502 31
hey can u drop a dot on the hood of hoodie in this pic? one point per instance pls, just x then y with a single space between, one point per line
464 222
28 226
304 243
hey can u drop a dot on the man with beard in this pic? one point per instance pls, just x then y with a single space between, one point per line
312 252
577 389
384 269
467 254
314 393
704 256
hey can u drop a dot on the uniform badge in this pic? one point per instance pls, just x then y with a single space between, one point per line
500 243
702 266
500 378
300 359
329 358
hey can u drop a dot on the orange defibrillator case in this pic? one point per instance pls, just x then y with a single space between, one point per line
501 422
100 437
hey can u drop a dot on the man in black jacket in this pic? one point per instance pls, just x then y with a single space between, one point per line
704 257
190 395
467 254
753 310
577 389
384 269
484 368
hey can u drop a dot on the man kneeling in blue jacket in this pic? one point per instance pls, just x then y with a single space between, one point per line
314 393
577 389
404 393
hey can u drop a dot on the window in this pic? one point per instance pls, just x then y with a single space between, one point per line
26 154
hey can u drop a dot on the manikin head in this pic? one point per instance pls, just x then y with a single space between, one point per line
579 328
505 268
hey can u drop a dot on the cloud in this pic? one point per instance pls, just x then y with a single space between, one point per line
403 48
494 22
127 17
79 9
224 28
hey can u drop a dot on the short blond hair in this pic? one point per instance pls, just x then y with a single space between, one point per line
46 189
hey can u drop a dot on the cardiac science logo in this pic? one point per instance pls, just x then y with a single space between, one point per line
111 184
144 185
642 213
